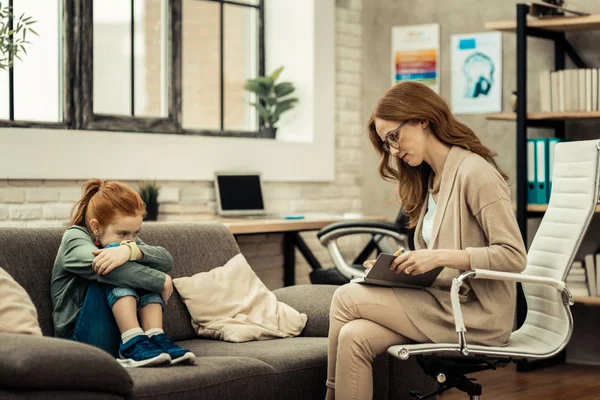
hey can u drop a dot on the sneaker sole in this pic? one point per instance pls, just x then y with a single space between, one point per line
186 359
160 359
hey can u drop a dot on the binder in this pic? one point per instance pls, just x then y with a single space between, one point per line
541 170
531 197
550 148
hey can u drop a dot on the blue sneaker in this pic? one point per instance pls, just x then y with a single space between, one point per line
178 354
141 352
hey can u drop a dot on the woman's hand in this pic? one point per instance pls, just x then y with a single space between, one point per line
167 290
108 259
416 262
369 263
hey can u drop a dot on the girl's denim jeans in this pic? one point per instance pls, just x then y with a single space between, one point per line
96 323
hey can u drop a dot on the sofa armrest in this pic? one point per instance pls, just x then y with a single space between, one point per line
312 300
38 362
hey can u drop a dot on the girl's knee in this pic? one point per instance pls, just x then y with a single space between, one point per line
353 340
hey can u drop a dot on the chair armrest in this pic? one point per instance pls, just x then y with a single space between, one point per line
493 275
339 229
312 300
30 362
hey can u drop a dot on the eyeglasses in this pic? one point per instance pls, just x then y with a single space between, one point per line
391 139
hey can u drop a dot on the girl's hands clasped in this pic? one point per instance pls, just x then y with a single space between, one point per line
415 262
110 258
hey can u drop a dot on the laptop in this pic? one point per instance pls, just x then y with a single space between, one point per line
239 194
380 274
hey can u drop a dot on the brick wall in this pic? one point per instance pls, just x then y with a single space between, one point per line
34 203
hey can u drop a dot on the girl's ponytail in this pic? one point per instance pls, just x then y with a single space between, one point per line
90 188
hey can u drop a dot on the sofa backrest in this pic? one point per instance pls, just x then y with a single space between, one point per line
28 255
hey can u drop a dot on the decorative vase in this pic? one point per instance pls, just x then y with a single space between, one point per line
513 101
151 212
268 132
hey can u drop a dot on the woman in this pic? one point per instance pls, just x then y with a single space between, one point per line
454 193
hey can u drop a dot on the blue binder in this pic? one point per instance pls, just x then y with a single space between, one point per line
551 143
541 171
531 162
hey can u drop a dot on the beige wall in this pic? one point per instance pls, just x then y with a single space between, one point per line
456 17
31 203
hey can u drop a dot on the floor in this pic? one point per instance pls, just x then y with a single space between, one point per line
565 381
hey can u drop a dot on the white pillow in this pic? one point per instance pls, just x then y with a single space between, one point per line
231 303
17 312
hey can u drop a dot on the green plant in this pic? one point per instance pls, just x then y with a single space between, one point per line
149 192
12 41
272 100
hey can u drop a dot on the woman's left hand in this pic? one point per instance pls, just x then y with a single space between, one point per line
108 259
415 262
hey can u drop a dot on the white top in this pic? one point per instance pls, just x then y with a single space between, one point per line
428 220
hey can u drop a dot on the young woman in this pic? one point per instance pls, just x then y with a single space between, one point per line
454 193
108 287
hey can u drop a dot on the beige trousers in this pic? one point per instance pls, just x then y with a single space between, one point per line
364 321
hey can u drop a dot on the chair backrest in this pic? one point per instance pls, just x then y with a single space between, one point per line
574 197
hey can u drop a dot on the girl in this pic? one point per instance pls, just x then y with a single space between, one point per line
453 192
106 282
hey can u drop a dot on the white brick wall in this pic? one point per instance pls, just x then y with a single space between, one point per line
35 203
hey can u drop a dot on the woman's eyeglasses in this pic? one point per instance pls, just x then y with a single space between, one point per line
391 139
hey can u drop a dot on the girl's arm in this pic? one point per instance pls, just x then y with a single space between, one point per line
77 258
155 257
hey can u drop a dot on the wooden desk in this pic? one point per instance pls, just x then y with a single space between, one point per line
290 228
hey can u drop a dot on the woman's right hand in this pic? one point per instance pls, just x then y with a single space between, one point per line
369 263
167 290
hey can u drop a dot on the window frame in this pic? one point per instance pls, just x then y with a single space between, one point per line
78 86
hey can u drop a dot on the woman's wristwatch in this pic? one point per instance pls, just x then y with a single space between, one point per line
134 249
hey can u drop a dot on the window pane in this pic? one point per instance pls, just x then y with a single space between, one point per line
201 65
38 78
151 80
241 63
112 57
4 95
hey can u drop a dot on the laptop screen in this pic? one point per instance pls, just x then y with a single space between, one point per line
240 192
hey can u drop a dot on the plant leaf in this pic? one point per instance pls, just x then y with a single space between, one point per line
284 88
262 111
280 108
255 87
275 74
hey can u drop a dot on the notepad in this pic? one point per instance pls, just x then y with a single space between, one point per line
380 274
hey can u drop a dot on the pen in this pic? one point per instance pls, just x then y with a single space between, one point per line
400 251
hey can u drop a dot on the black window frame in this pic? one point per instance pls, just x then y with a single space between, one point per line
78 76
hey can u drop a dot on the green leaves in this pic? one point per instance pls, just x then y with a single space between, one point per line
12 41
271 102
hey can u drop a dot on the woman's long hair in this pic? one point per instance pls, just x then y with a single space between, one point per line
413 101
102 200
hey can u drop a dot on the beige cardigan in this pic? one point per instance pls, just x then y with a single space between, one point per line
474 213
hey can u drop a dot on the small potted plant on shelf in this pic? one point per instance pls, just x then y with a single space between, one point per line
149 194
272 100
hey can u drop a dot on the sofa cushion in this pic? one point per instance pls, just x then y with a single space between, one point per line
17 312
30 363
281 354
240 307
210 378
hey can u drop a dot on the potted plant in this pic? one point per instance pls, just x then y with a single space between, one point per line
273 100
12 41
149 194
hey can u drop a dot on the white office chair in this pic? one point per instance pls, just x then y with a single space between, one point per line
548 324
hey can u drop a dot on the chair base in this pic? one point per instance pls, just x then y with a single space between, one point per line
327 276
450 372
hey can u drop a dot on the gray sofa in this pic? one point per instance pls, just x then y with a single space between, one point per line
294 368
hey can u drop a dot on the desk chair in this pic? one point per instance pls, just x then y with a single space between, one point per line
548 324
380 233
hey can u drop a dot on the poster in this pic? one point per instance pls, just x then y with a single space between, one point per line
415 54
476 73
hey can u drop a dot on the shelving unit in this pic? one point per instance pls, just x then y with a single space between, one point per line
551 29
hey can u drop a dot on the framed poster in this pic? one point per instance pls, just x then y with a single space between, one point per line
476 73
415 54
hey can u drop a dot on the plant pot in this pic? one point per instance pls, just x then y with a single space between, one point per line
268 132
151 212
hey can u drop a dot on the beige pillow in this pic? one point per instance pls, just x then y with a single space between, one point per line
231 303
17 312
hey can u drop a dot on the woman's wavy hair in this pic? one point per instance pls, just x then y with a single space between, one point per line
102 200
413 101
